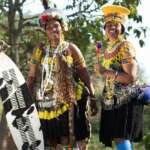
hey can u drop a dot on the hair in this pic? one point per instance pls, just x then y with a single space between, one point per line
53 14
55 19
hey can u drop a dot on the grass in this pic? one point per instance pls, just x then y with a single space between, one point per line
94 140
95 144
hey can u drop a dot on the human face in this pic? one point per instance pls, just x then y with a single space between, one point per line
54 32
113 30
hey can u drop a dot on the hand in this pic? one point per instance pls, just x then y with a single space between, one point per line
93 106
3 45
111 74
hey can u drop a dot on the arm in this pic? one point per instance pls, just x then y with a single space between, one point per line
82 72
32 77
80 66
33 69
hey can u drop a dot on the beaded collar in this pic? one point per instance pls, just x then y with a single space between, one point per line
112 49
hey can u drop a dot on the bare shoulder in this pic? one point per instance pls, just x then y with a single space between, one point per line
74 48
77 55
128 49
75 51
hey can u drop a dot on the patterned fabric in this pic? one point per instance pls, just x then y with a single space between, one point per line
56 128
50 14
50 107
113 59
46 111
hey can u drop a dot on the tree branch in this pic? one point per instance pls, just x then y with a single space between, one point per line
2 8
19 3
31 24
83 11
20 23
4 27
86 9
30 18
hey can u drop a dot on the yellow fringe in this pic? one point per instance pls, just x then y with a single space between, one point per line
53 114
48 115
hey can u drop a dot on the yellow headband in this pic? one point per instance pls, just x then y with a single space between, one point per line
115 13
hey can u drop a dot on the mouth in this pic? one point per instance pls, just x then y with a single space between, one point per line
55 35
112 33
55 32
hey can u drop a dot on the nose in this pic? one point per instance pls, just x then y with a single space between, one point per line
113 27
54 29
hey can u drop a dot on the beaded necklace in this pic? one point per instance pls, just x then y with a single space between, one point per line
112 54
47 68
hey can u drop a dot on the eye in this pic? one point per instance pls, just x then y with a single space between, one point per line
56 25
48 27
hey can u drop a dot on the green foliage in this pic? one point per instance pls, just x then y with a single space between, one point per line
141 42
85 24
83 32
29 39
146 140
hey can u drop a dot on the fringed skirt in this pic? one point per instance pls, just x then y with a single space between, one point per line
125 121
56 124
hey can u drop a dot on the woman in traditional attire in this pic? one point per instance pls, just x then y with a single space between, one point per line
64 85
121 114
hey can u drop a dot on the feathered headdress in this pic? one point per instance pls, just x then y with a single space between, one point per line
52 14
